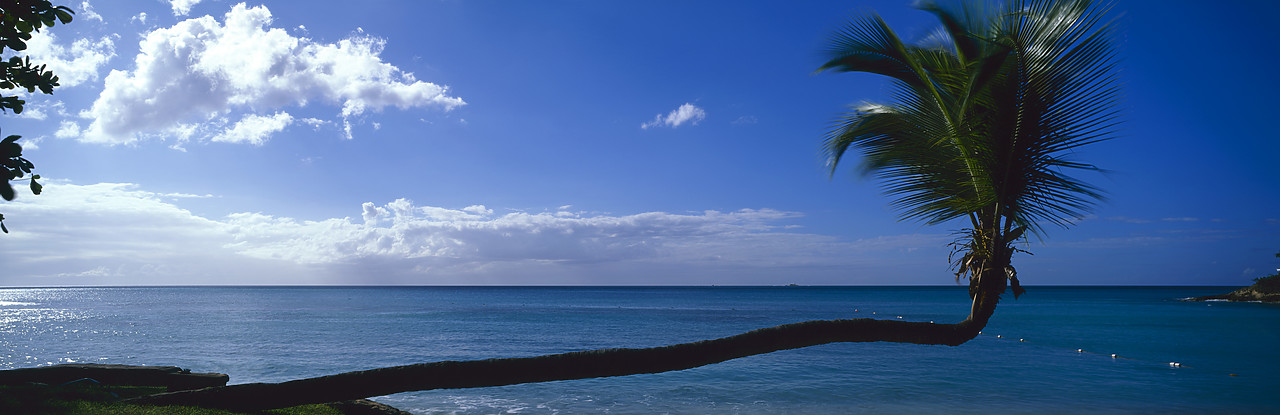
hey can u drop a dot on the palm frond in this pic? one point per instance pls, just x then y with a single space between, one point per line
984 126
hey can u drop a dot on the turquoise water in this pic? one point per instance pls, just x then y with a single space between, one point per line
267 334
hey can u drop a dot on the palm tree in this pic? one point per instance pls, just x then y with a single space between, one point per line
988 110
981 131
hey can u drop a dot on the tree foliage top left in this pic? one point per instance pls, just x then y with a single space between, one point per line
18 20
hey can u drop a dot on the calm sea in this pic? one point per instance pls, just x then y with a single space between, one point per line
1228 351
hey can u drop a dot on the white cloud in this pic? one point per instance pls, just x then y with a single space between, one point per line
41 109
111 233
182 7
188 77
75 64
687 113
255 129
31 144
33 112
99 272
140 18
86 11
67 129
422 235
478 210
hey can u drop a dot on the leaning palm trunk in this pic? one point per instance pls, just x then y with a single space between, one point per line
579 365
988 110
568 366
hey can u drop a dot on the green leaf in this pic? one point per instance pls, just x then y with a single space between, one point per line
6 191
10 149
35 187
2 228
63 15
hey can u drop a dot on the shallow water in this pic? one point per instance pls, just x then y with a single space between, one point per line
268 334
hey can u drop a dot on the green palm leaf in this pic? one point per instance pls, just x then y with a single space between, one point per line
985 118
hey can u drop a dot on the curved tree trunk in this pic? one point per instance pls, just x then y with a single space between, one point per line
578 365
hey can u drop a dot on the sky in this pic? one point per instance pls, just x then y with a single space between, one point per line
583 142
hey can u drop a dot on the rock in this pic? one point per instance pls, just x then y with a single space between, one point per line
171 377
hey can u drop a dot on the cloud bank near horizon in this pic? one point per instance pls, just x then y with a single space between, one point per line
119 233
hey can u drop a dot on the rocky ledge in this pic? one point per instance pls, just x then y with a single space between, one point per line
170 377
1263 291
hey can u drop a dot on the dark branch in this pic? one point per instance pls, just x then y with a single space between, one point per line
566 366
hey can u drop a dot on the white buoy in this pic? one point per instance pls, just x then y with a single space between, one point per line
1022 340
1079 350
1113 355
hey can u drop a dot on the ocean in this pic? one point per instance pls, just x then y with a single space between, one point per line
1049 351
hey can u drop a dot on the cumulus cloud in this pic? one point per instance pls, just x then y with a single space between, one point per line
182 7
189 79
255 129
75 64
67 129
687 113
86 11
113 233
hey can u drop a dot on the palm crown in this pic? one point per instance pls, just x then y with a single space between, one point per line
987 111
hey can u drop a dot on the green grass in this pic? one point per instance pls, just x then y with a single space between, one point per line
95 399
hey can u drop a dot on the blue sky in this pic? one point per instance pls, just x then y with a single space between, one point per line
652 142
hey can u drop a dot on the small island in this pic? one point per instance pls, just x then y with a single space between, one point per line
1265 289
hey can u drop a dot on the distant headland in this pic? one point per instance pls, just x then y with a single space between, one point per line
1266 290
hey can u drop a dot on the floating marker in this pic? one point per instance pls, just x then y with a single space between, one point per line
1079 350
1022 340
1113 355
899 316
999 336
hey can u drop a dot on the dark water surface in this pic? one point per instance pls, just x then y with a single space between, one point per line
269 334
